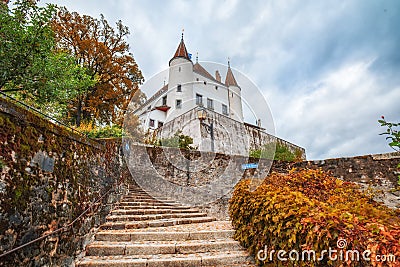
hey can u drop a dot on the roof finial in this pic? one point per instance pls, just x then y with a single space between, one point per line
229 62
197 57
183 30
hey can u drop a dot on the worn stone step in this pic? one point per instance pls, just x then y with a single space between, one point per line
153 223
146 217
117 235
239 258
145 196
149 203
102 248
147 199
133 205
151 211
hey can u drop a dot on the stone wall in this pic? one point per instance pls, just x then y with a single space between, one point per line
49 176
196 169
376 173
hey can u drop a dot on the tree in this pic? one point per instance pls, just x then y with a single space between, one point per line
391 134
58 79
104 51
31 69
25 38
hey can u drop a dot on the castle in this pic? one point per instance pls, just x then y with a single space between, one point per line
203 107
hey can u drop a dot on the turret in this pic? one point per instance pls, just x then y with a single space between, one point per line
234 96
180 84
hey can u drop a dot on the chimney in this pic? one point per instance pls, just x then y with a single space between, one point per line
217 76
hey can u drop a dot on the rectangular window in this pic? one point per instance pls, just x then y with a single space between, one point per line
160 124
178 103
210 103
224 109
199 100
179 88
164 101
151 123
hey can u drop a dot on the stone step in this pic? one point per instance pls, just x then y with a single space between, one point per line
101 248
153 223
151 210
117 235
146 217
150 203
239 258
144 196
151 206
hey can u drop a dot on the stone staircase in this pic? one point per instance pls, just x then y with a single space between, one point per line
147 232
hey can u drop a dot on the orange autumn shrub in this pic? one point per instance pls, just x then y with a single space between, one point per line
310 210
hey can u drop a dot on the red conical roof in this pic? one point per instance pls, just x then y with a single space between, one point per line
181 51
230 79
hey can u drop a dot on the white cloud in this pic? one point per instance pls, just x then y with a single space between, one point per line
338 117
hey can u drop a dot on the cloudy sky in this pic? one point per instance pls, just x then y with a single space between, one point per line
328 69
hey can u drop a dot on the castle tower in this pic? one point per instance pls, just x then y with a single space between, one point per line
234 96
180 84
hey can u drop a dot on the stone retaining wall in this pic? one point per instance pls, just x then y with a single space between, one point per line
377 172
49 176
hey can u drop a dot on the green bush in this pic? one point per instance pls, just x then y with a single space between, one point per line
179 140
104 132
310 210
282 153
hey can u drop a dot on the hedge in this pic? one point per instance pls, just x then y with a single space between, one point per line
310 210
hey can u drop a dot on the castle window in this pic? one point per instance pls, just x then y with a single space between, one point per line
199 99
179 103
197 79
210 103
224 109
151 123
160 124
179 69
205 83
216 87
164 101
179 88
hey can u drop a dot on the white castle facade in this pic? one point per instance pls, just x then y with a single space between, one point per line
191 86
192 90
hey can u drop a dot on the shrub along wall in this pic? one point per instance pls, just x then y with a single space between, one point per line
310 210
49 176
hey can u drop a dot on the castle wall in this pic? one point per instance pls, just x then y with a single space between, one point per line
230 136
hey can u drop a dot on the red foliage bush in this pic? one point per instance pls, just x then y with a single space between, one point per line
310 210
